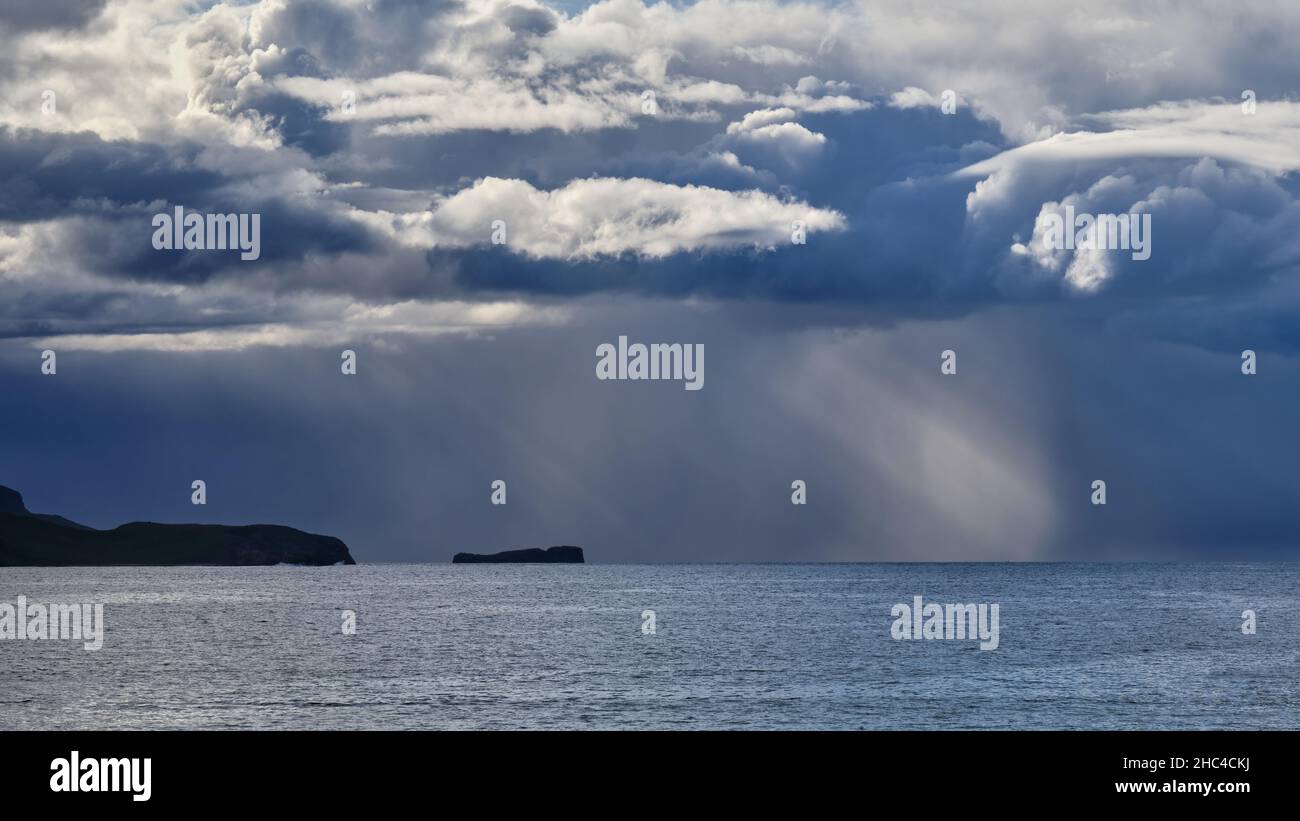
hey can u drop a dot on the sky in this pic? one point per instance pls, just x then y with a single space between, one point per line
475 195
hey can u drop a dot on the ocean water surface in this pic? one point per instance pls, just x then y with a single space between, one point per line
1123 646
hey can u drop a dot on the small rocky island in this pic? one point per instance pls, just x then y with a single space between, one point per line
42 540
564 554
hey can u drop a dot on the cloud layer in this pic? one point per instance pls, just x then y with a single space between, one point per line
647 148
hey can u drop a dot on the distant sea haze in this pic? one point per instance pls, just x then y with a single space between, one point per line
1112 646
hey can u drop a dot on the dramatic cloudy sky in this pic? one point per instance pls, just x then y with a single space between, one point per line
665 222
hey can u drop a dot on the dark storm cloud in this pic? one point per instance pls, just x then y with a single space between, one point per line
523 20
105 313
120 185
38 314
785 273
44 175
304 125
343 37
22 16
864 149
289 232
547 158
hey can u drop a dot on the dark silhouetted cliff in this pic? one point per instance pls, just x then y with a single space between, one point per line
33 540
564 554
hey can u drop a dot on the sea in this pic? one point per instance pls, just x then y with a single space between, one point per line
685 646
